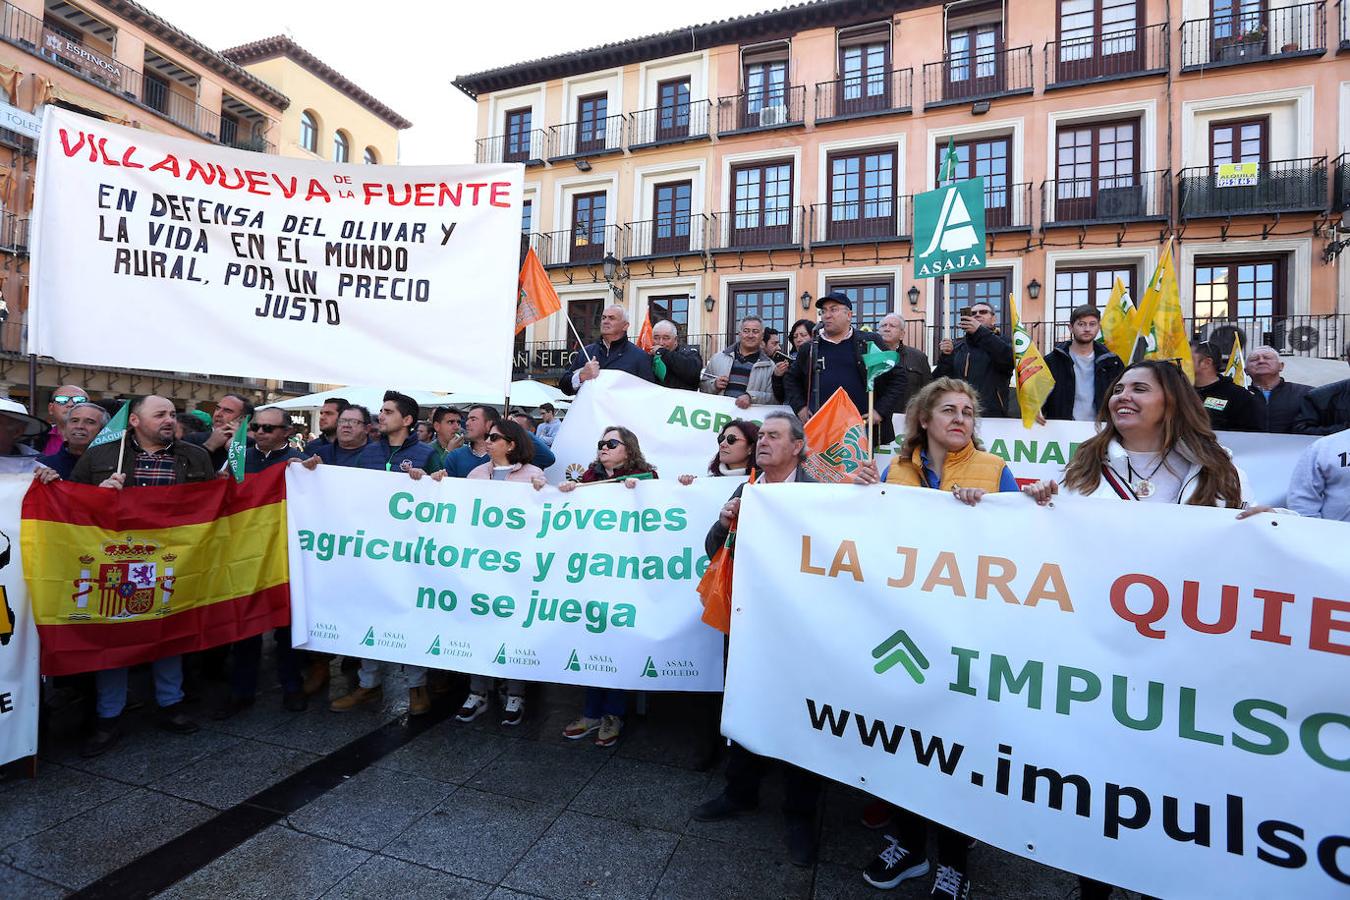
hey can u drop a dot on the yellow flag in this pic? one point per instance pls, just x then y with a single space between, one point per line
1160 321
1031 377
1120 323
1237 363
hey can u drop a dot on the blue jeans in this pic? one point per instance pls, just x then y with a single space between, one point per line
248 658
111 685
604 702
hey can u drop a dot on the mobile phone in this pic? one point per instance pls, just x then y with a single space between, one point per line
964 311
780 356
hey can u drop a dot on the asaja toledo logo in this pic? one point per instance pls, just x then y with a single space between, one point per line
649 670
435 648
573 663
949 225
369 639
500 658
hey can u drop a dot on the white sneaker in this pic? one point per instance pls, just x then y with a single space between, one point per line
474 706
513 710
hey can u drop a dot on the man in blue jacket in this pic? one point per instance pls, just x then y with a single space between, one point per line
613 351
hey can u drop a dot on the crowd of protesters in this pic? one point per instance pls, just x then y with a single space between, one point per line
1156 443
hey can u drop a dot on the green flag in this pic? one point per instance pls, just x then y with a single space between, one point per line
659 368
234 457
878 363
115 429
949 162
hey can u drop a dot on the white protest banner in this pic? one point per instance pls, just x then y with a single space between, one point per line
592 587
1043 450
676 429
1170 718
18 636
295 269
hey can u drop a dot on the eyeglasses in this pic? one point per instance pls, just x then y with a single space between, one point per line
354 423
609 444
68 399
728 439
494 436
265 429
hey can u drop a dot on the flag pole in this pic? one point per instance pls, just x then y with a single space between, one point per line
122 449
871 407
577 335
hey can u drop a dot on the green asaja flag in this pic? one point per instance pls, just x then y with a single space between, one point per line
878 363
115 429
234 457
659 369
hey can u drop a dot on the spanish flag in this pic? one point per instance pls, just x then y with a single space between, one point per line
124 577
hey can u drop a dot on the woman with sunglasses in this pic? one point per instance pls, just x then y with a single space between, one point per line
735 450
510 456
618 458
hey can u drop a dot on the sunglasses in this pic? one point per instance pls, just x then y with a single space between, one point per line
729 439
64 399
609 444
494 437
265 429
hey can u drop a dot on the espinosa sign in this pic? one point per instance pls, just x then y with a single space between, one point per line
78 53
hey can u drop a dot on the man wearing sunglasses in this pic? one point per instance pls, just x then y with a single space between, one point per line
65 398
271 429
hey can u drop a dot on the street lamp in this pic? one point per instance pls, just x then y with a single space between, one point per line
1034 289
611 264
913 295
806 299
709 302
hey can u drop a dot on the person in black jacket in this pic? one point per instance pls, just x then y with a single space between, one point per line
1230 406
1326 409
1283 398
832 359
1080 356
613 351
680 366
983 358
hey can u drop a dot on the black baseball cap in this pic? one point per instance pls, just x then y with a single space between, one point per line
837 297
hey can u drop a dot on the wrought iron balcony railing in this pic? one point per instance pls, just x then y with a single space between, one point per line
862 221
1254 35
1131 53
594 137
982 75
665 236
528 147
1135 197
783 106
756 229
1282 186
673 124
580 246
876 92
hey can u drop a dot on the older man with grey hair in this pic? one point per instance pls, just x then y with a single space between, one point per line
674 366
1283 398
613 351
83 423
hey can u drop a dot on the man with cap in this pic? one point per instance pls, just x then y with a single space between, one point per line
15 425
83 423
66 396
833 359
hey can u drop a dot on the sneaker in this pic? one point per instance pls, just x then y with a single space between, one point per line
877 814
173 719
951 882
106 734
610 726
474 706
893 865
513 711
316 678
419 702
580 728
357 697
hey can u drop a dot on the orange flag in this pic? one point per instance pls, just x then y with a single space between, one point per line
838 441
644 338
537 299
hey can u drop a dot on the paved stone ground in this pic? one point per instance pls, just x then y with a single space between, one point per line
459 811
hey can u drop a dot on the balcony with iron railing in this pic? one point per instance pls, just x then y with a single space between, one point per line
876 92
1281 186
862 221
983 75
779 107
1131 53
590 138
1007 207
580 246
1340 197
528 147
1280 33
674 124
665 236
756 229
1105 200
14 234
153 94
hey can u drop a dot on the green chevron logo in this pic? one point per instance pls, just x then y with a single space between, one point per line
899 648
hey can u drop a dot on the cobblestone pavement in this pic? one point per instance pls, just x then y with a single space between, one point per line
367 804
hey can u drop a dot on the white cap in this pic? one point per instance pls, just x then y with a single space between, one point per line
15 410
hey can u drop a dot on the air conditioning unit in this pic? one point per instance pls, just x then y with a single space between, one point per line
772 115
